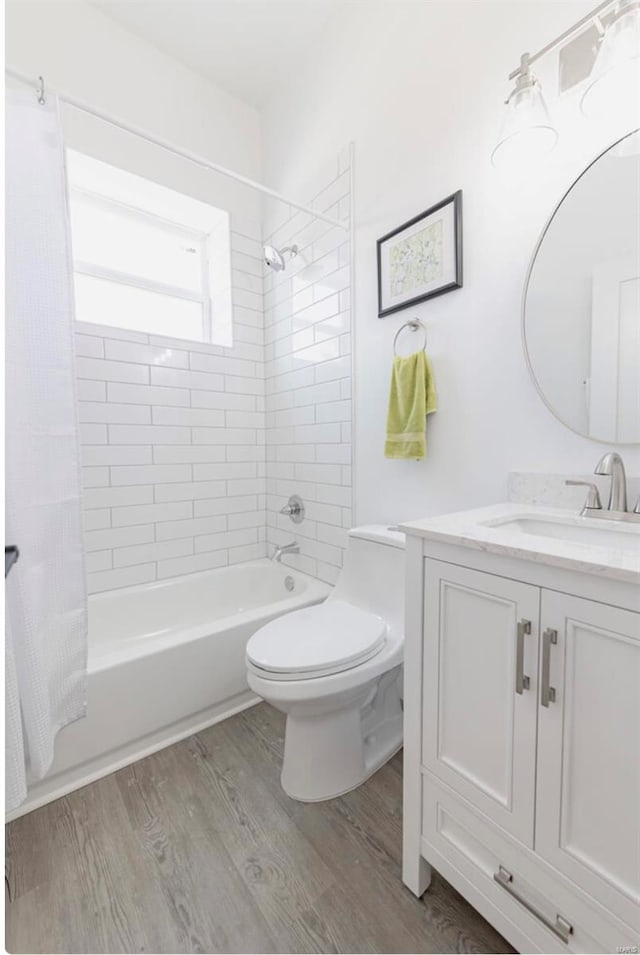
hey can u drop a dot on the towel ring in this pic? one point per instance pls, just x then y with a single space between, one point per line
414 324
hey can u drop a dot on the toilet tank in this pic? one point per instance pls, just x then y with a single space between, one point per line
373 573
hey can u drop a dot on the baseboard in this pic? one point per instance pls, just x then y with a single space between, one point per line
47 790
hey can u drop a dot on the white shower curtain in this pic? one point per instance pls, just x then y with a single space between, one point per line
46 602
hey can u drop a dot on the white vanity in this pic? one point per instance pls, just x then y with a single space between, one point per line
522 722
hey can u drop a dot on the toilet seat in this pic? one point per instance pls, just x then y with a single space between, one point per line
316 641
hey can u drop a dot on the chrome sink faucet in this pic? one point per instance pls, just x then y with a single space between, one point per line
610 464
283 549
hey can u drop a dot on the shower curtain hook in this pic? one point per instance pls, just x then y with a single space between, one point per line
40 91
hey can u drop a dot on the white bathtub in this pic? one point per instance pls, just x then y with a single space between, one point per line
165 660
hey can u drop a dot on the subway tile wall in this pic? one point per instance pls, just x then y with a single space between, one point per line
189 451
173 441
308 380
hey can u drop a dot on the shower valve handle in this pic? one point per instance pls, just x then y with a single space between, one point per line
294 508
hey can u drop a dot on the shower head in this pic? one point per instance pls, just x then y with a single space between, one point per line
274 258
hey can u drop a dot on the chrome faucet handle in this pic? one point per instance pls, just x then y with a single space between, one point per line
294 508
593 502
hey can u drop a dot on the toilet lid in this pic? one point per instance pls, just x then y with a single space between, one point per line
323 639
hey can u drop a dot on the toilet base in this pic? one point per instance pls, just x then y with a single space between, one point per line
328 754
373 768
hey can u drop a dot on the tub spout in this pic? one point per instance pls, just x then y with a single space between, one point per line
282 549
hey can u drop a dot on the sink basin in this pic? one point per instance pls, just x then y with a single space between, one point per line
578 531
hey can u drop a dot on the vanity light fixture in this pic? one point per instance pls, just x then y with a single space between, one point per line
615 76
527 130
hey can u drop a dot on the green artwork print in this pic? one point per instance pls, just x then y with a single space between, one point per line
416 261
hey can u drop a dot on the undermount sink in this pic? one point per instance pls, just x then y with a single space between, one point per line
578 531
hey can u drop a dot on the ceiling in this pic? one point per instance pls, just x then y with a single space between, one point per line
248 47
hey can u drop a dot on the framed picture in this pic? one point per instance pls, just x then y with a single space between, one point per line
422 258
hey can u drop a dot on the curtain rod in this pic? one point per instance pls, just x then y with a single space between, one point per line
169 147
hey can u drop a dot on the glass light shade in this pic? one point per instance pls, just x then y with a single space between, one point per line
614 84
527 131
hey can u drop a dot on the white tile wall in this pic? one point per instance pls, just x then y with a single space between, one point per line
190 450
172 439
307 310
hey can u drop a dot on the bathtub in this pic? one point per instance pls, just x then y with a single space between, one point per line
166 659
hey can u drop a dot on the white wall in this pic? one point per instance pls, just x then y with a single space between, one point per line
87 55
419 86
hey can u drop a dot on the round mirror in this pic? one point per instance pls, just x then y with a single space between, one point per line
581 315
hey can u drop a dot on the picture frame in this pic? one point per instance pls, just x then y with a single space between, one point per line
422 258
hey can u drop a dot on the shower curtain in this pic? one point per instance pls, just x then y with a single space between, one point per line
46 601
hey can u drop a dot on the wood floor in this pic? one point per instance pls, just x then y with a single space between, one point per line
197 849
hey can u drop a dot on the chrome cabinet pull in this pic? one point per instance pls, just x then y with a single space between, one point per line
522 681
547 692
560 927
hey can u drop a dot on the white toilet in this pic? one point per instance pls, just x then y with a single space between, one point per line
335 669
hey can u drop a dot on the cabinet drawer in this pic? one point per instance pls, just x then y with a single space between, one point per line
533 898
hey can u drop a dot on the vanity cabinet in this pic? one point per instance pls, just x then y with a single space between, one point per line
522 746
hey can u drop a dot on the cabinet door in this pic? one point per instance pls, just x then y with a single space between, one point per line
479 730
588 793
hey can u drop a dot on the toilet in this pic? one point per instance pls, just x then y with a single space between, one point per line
335 669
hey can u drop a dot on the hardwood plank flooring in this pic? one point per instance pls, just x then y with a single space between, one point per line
197 849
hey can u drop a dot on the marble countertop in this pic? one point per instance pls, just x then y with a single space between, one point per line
474 529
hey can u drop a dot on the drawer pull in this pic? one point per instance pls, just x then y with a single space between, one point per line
547 692
522 681
560 927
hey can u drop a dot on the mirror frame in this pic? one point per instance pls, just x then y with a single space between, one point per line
527 281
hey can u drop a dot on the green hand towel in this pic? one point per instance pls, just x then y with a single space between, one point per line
411 398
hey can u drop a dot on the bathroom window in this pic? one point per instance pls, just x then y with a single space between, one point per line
147 258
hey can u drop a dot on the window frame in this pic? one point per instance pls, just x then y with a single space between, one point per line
151 285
